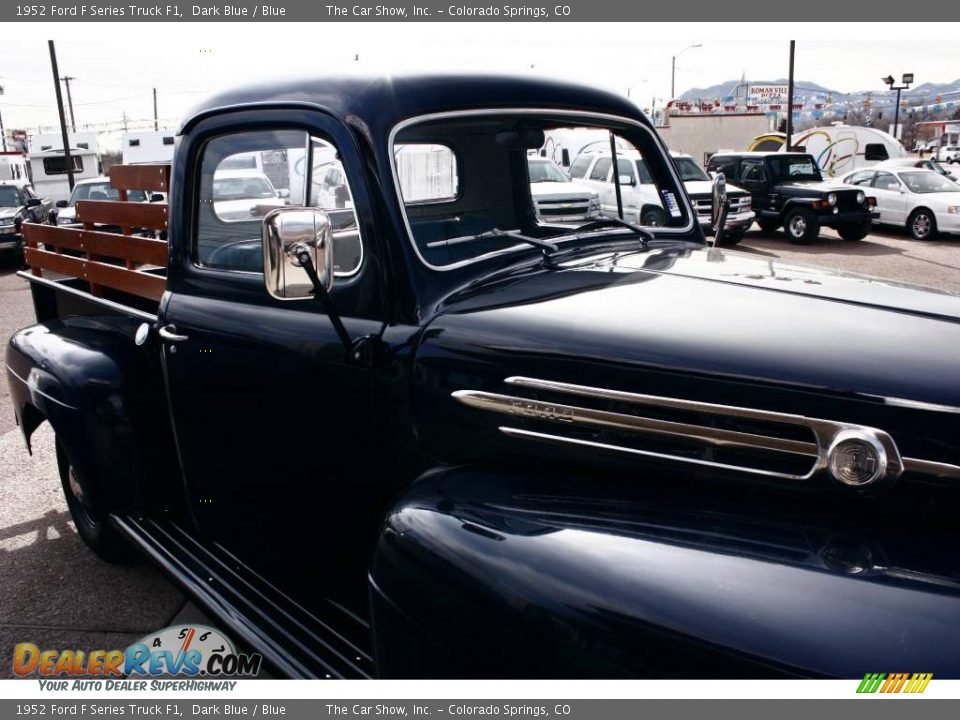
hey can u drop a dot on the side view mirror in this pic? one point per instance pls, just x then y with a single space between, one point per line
283 193
288 232
627 180
61 203
720 207
33 202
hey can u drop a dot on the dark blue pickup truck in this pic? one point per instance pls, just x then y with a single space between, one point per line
379 418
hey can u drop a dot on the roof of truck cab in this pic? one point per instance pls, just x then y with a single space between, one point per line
381 102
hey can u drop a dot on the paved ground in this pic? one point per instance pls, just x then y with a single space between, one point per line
55 593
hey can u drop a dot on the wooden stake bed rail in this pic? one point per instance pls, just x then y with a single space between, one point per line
101 251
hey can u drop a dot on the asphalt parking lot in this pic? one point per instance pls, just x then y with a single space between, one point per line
57 594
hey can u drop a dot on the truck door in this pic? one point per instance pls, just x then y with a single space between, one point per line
272 424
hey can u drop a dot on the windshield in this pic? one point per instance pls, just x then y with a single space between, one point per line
689 170
473 201
545 171
928 182
9 197
103 191
797 167
251 187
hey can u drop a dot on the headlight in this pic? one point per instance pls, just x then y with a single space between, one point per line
861 196
954 209
832 199
4 222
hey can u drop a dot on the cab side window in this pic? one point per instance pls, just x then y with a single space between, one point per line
245 176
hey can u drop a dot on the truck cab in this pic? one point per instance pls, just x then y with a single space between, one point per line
408 429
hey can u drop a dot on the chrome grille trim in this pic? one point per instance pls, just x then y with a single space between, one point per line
824 432
587 417
561 440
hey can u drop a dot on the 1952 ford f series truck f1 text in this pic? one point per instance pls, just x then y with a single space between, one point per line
380 418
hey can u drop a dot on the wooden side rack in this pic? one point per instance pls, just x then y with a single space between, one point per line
106 259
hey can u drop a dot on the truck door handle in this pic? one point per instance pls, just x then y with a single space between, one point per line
169 333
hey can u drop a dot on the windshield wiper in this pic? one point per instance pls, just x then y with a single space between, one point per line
594 225
548 248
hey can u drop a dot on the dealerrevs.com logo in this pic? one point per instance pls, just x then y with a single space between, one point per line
895 683
180 650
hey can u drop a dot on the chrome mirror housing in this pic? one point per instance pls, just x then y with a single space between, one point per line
287 232
720 207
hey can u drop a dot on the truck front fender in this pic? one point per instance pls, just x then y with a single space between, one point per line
104 398
484 573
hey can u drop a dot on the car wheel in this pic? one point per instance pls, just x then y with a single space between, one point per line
653 217
91 523
768 224
729 239
922 224
801 226
852 232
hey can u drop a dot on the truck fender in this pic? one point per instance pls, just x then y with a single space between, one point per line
543 573
104 398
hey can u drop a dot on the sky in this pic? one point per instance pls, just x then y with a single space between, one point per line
116 65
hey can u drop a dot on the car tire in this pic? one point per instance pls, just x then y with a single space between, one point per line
729 239
922 224
91 523
801 226
852 232
653 217
768 224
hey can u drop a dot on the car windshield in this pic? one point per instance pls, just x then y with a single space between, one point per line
9 197
103 191
545 171
798 167
928 182
242 188
689 170
465 185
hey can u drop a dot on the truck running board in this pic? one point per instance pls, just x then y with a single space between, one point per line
296 642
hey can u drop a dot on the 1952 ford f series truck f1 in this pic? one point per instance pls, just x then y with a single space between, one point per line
389 422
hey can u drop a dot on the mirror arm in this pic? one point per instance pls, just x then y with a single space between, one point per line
325 300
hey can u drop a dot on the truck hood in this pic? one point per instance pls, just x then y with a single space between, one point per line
710 326
705 187
560 191
8 212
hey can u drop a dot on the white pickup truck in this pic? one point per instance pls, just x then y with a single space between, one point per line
556 197
642 205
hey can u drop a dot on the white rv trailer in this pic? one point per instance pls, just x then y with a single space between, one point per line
140 148
840 148
48 166
13 166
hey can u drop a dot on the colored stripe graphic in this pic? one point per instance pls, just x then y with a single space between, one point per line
913 683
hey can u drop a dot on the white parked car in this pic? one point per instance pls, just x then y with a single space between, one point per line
949 153
922 201
913 162
557 198
240 195
641 202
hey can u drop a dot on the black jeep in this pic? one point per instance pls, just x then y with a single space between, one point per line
788 190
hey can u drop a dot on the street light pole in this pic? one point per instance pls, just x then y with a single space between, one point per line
673 69
907 80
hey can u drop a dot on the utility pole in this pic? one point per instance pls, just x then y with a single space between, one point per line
793 44
67 158
73 122
124 120
156 120
3 134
